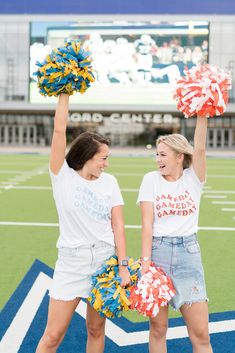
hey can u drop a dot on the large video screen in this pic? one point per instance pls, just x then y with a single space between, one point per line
134 63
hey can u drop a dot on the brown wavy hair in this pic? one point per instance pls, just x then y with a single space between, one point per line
83 148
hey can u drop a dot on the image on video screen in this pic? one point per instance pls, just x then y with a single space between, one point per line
133 62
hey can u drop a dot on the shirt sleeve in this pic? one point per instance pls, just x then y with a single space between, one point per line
117 198
64 170
146 190
199 184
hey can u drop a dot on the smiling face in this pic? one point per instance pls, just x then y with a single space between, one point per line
96 165
169 162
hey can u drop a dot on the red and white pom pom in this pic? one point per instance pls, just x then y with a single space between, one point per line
203 91
153 290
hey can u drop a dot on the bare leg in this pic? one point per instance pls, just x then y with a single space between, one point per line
59 316
95 331
158 330
196 319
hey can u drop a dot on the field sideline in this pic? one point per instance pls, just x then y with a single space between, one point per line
28 219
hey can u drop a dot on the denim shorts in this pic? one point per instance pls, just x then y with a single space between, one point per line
74 268
180 258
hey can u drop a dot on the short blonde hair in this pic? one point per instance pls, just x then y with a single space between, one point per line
179 144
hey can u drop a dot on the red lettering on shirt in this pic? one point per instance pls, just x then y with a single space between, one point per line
180 205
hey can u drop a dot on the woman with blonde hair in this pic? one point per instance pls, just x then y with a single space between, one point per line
169 199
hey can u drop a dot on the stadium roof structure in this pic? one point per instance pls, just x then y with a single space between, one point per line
26 107
212 7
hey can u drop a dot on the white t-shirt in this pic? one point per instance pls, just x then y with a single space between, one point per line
84 207
176 204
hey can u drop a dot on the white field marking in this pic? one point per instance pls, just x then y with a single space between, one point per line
39 224
9 187
216 228
222 176
24 176
215 196
19 327
13 171
23 163
123 338
49 188
16 332
228 209
219 192
225 176
216 167
199 228
151 165
30 187
128 174
223 202
29 224
114 165
35 187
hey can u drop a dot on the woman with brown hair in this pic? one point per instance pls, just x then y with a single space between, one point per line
89 206
169 199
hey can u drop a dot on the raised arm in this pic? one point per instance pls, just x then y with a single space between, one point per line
58 144
199 152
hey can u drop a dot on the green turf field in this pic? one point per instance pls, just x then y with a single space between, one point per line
25 196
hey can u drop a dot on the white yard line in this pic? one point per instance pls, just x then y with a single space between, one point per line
7 187
128 174
222 176
29 224
219 192
215 196
206 193
13 171
22 163
223 202
228 209
130 226
22 177
29 187
217 228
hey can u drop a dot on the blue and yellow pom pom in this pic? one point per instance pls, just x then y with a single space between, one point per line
107 297
66 70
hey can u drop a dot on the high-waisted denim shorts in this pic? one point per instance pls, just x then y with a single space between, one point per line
74 269
180 258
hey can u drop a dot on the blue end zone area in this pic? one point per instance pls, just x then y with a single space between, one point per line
75 339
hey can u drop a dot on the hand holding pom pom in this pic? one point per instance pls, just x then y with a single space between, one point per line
108 297
65 70
203 91
153 290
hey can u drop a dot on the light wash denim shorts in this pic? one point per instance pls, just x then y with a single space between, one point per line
74 268
180 258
